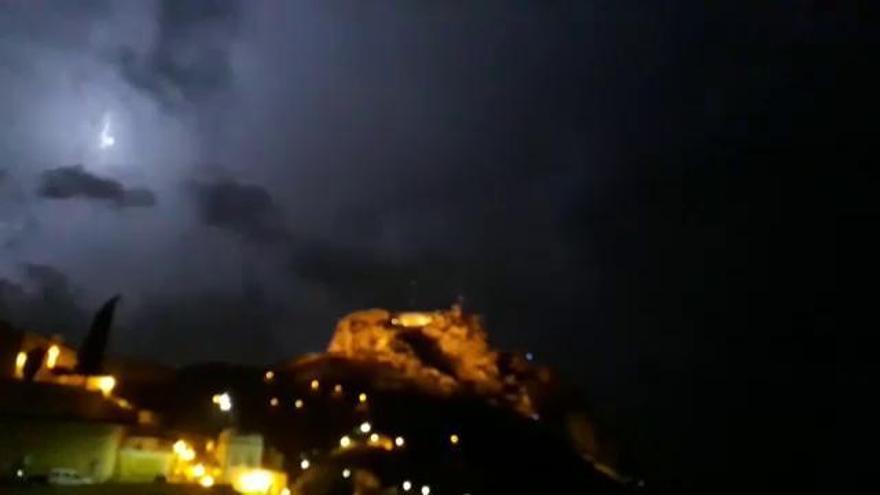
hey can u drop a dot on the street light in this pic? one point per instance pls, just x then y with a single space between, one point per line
223 401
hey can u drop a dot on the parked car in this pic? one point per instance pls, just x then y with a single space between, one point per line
65 476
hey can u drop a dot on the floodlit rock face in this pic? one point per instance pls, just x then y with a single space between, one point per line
445 351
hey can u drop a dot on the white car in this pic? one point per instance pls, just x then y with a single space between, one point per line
69 477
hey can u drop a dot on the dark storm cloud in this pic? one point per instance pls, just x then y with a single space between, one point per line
76 182
215 325
43 301
247 210
190 58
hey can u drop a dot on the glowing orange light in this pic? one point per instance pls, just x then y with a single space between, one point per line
104 384
411 320
362 398
315 384
52 356
399 441
298 403
273 401
345 441
20 361
453 439
374 438
269 375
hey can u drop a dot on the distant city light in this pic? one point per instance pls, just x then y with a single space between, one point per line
453 439
366 427
337 389
183 450
257 480
223 401
19 473
407 485
345 442
285 491
362 397
346 473
206 481
106 384
530 356
269 376
273 401
374 437
315 384
399 441
52 356
298 403
198 470
304 464
20 361
426 490
536 416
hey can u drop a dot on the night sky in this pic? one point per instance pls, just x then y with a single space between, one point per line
634 191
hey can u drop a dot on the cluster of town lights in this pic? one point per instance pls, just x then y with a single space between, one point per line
184 451
407 486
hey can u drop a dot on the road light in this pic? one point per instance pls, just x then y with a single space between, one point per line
365 427
399 441
345 442
426 490
407 485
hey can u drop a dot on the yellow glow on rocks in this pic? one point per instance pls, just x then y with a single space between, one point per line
413 320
